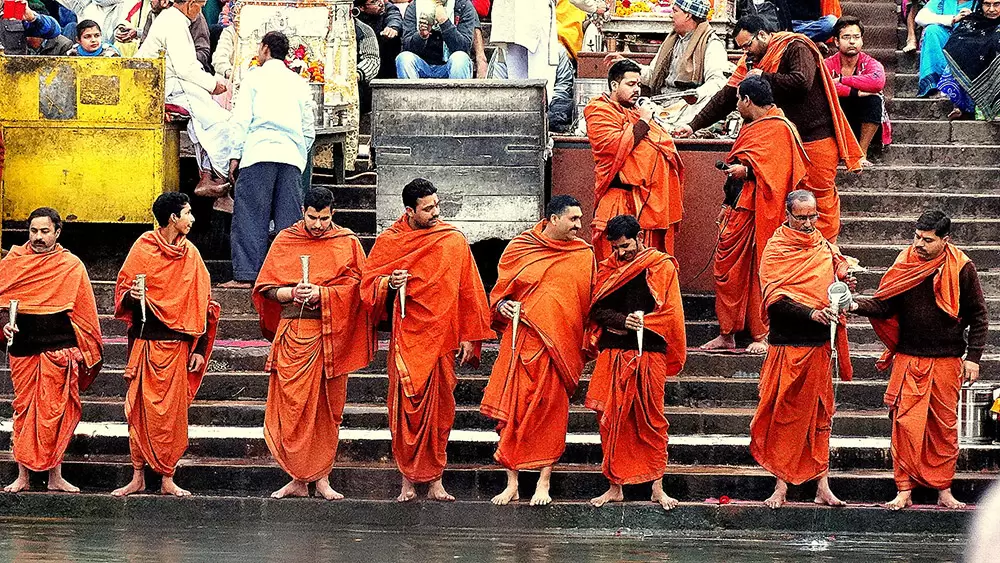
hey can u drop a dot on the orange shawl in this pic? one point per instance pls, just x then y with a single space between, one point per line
50 283
552 279
801 266
830 8
335 264
909 271
761 145
178 290
445 299
653 166
667 320
847 144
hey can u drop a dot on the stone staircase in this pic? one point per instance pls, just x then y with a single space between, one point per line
933 163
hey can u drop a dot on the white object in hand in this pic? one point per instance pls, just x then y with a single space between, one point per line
140 282
517 320
840 300
13 319
402 300
305 267
638 333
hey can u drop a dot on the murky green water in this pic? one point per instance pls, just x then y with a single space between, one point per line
98 541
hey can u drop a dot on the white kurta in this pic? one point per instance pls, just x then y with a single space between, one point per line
189 86
530 25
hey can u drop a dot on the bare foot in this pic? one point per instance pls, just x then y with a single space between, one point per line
947 500
171 488
292 489
234 284
62 485
136 485
721 342
510 492
407 493
19 484
911 46
901 501
541 496
661 498
324 490
613 494
757 347
865 163
777 499
828 498
436 492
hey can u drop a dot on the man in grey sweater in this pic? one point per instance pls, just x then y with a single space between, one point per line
437 44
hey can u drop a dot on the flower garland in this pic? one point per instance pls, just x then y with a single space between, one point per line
301 63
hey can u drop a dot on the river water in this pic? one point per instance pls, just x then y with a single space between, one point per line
30 540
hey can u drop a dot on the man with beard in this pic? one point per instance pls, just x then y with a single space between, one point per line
545 279
806 92
421 279
54 347
387 22
320 332
920 311
637 292
638 170
163 294
790 432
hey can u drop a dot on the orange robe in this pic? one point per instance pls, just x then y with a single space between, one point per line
310 358
790 432
653 168
445 305
626 389
923 392
528 392
47 386
824 154
759 212
160 390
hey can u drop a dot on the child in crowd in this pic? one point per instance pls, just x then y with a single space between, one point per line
89 42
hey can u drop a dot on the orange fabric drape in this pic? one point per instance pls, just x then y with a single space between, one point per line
46 406
569 20
830 8
906 273
790 431
445 305
627 390
533 378
801 266
925 421
178 292
653 168
759 212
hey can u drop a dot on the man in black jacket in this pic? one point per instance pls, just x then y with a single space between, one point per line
385 19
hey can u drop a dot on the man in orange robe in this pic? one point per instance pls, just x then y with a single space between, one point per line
320 332
637 290
56 351
921 309
545 279
638 170
754 208
790 432
425 265
169 345
806 92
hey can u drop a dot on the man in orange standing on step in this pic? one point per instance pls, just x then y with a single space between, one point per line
425 265
163 294
790 432
921 309
637 290
320 332
765 164
638 170
545 279
805 91
54 347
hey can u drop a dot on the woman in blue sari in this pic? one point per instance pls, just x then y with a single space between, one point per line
972 80
938 17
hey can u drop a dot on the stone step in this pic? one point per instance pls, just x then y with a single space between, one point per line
984 256
906 82
888 179
898 229
931 155
944 131
350 197
989 280
919 108
895 204
569 481
477 447
703 514
907 62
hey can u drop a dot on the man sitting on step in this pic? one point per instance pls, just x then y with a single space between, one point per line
814 18
790 432
320 332
637 330
920 311
438 43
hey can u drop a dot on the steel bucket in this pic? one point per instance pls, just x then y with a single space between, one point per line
975 422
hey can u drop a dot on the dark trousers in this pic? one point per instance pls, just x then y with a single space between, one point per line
864 109
264 192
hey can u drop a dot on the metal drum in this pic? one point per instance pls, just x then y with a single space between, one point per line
975 422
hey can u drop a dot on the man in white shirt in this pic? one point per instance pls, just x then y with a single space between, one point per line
274 124
190 87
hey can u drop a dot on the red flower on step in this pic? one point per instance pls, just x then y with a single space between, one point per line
300 52
626 3
724 500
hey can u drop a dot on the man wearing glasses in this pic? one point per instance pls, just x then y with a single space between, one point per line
387 22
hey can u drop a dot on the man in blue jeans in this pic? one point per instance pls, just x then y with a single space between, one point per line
808 19
438 46
274 126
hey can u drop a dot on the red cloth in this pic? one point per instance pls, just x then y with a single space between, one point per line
445 305
533 378
653 167
830 8
869 77
482 7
